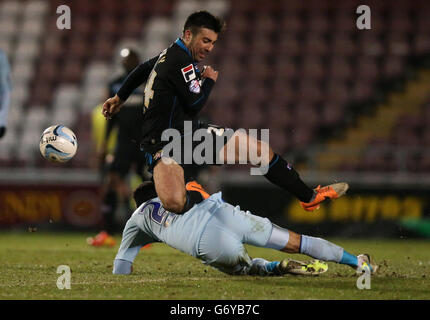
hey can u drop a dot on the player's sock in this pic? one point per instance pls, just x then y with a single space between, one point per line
282 174
262 267
278 238
319 248
271 266
349 259
110 203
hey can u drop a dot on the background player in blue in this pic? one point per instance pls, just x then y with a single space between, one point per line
175 92
127 153
215 231
5 88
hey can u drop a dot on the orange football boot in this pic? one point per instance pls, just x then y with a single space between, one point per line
332 191
194 186
102 239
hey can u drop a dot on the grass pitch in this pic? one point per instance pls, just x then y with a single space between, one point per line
29 261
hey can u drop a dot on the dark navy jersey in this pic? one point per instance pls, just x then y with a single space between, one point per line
174 93
134 99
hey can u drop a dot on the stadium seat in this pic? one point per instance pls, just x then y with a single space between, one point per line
26 50
278 141
11 8
315 44
22 73
342 45
339 69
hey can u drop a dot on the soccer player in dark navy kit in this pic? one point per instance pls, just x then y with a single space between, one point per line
176 90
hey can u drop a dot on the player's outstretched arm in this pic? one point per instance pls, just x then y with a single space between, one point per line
138 76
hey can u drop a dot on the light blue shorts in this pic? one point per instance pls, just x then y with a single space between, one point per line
221 243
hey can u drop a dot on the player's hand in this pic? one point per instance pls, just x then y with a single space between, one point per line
209 72
111 106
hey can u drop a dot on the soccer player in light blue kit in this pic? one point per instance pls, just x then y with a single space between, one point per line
215 231
5 88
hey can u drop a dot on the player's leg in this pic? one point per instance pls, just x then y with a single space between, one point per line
262 232
318 248
170 186
221 244
110 201
114 190
277 170
224 251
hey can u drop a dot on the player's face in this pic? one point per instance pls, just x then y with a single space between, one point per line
202 43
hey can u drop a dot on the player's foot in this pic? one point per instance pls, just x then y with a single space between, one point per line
366 263
310 268
101 239
332 191
194 186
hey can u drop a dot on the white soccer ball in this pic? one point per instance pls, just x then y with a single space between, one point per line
58 144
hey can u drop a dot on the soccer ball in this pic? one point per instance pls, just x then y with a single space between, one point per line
58 144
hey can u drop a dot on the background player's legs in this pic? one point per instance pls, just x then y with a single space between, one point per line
242 147
110 201
115 189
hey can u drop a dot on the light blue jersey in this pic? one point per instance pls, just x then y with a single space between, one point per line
179 231
213 231
5 88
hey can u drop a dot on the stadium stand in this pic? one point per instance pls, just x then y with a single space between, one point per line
301 69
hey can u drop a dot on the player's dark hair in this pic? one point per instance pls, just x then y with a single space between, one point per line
144 192
204 19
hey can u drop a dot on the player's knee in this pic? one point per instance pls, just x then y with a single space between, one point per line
174 201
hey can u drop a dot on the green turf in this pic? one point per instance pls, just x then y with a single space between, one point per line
29 263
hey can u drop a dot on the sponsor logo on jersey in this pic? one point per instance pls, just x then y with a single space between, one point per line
194 86
188 73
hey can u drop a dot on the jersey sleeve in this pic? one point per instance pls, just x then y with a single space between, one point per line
138 76
192 92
